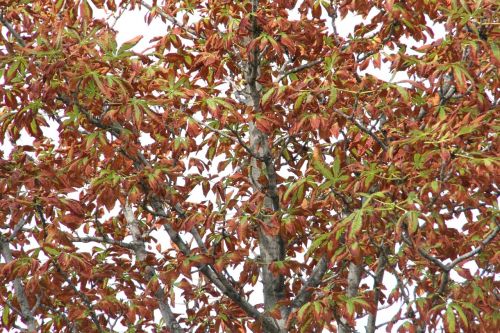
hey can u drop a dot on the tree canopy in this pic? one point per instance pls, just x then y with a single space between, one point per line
246 172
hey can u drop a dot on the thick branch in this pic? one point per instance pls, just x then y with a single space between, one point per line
304 294
101 240
140 252
299 68
19 226
478 249
377 281
22 299
14 33
353 280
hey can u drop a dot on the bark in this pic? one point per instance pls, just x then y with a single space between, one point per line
22 299
379 276
271 246
140 253
353 279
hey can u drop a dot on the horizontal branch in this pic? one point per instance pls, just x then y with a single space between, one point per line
478 249
299 68
19 226
89 239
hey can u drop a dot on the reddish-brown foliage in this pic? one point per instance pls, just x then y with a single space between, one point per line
274 160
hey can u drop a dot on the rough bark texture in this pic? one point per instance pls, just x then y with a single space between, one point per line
149 271
22 299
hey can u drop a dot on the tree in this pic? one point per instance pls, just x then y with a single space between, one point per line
273 160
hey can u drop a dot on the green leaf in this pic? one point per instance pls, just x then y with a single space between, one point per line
51 251
33 126
466 130
5 315
412 221
333 97
130 44
450 319
336 167
357 223
317 243
403 93
302 311
267 95
435 186
326 172
350 307
461 313
299 100
292 187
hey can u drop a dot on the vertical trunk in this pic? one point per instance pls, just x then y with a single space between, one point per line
271 246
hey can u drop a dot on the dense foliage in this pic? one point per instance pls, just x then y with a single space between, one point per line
245 172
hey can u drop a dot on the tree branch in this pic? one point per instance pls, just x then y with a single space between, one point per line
478 249
14 33
140 252
86 301
299 68
19 227
304 294
173 20
377 281
26 312
362 128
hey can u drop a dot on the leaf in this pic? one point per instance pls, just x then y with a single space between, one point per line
412 221
466 130
302 311
267 95
350 307
299 100
129 44
333 97
357 223
5 316
450 319
461 313
323 170
86 10
317 243
435 186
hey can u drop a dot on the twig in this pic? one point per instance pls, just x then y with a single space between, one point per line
173 20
